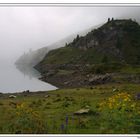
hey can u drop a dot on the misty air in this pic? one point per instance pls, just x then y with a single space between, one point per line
70 69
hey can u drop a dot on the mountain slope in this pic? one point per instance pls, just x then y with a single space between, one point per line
117 40
113 48
32 58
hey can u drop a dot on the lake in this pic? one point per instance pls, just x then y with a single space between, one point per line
18 79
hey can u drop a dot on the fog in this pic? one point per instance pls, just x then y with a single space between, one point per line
22 28
26 28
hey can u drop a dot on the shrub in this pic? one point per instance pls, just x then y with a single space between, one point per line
119 111
28 121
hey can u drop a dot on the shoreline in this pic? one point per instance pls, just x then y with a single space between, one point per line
78 75
25 94
32 93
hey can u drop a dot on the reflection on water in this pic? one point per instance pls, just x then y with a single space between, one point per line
28 71
17 79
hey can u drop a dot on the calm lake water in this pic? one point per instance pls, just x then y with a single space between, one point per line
13 79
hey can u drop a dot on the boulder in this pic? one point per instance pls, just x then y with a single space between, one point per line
46 96
114 89
82 111
51 72
67 82
99 79
12 96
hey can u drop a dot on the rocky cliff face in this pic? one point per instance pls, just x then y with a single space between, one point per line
116 37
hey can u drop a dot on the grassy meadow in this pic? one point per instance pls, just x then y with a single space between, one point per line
112 109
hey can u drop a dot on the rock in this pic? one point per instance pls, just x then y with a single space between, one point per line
99 79
67 82
46 96
82 111
51 73
12 96
87 75
114 89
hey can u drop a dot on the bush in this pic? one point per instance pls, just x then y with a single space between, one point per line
119 112
28 121
105 68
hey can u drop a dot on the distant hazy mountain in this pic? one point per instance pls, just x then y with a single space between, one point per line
32 58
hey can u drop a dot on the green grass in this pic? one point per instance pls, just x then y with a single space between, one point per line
127 43
64 72
75 55
130 69
119 68
65 55
37 114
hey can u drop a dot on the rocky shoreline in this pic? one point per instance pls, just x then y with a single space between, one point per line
72 76
23 94
108 54
72 81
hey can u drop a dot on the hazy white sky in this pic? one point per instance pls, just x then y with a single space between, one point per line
22 28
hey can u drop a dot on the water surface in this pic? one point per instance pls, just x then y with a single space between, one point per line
13 79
